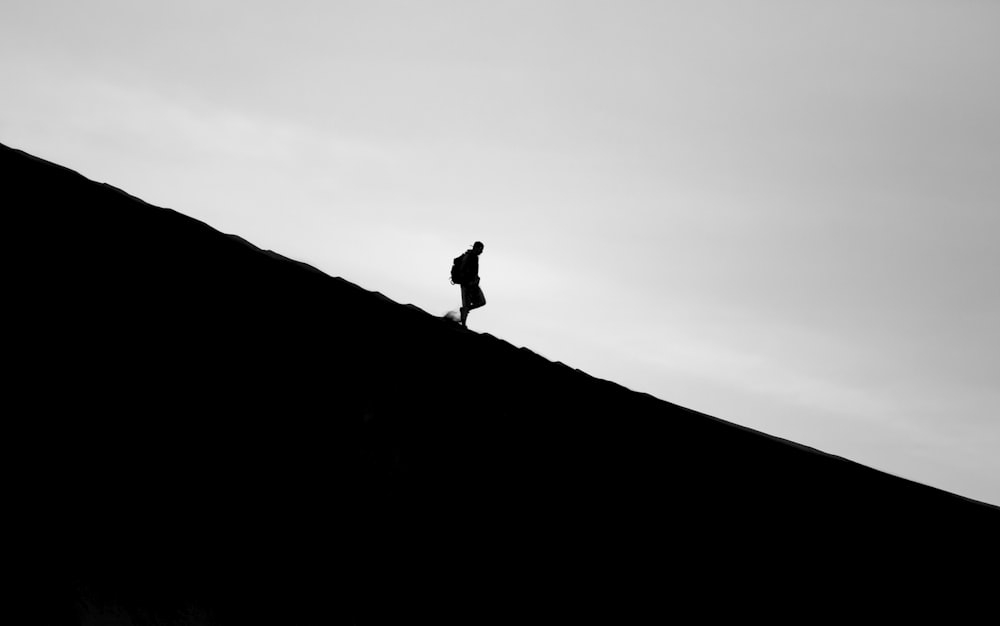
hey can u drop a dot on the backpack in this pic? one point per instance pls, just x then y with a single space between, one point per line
458 269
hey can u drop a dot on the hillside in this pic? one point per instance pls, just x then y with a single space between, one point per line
206 432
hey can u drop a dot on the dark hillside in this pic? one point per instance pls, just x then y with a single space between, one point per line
205 432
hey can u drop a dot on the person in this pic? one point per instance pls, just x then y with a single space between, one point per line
472 294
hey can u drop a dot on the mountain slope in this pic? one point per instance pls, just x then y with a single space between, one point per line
210 431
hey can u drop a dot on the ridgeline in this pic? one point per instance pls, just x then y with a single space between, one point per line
204 432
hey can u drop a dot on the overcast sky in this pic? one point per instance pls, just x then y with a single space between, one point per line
784 213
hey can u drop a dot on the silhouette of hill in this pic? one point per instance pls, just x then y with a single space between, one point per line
205 432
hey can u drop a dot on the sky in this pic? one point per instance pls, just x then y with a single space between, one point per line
782 213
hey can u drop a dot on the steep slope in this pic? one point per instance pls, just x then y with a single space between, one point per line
209 431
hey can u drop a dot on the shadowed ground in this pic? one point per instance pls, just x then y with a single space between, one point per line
210 433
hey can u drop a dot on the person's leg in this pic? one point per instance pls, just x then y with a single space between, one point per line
475 298
464 311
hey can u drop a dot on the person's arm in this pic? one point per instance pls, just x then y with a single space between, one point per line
473 269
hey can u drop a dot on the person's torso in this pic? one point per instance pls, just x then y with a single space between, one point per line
471 265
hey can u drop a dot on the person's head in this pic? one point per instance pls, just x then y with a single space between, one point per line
478 247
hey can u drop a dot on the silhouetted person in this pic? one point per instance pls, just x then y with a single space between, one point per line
467 269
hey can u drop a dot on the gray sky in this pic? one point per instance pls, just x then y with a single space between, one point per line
780 212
